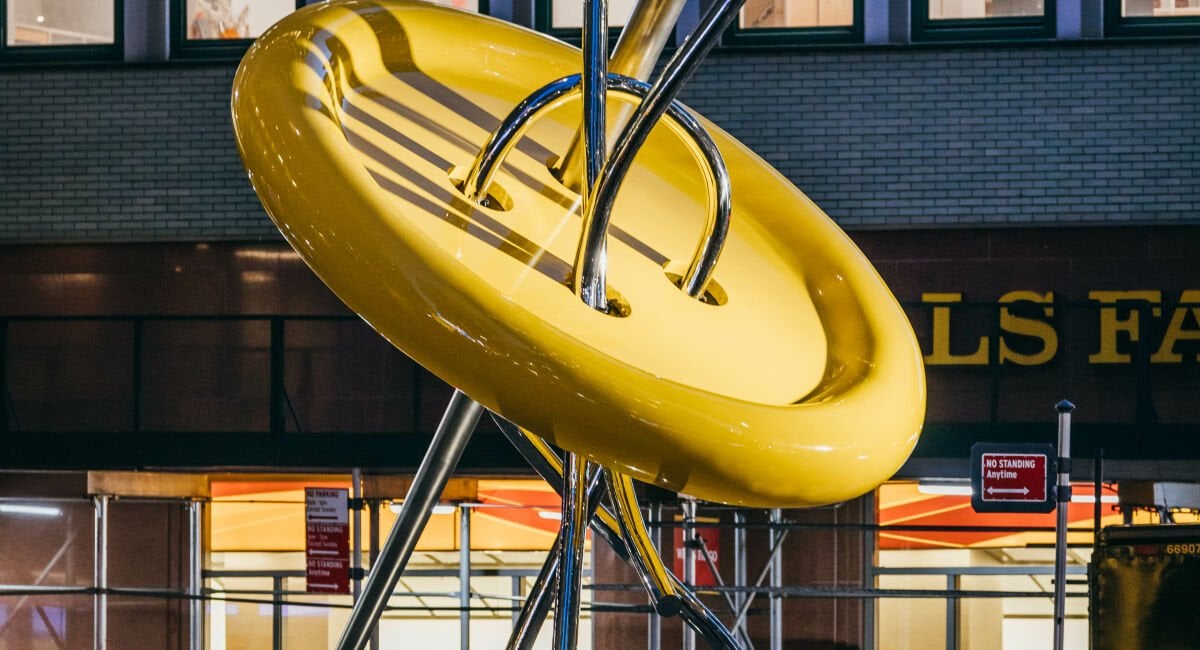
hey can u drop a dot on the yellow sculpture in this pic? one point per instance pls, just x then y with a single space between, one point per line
791 378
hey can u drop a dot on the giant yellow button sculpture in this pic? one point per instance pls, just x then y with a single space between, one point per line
796 380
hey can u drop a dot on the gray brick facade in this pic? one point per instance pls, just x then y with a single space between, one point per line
900 137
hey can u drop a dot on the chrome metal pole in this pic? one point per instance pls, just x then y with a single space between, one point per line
776 582
595 152
195 512
537 601
591 254
528 622
575 516
447 446
100 573
595 90
1064 409
638 48
464 577
356 543
688 505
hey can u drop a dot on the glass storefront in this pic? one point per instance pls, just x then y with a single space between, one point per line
910 567
256 557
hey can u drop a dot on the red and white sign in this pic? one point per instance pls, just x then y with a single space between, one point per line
712 542
327 540
1014 477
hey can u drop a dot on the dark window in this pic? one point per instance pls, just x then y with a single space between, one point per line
564 18
783 22
222 28
61 30
1152 17
968 20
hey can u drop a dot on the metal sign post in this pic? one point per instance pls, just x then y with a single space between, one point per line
1064 409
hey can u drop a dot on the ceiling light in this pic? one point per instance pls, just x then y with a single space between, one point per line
1091 498
439 509
550 514
942 489
37 511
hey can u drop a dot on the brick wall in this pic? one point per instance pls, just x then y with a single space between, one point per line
937 137
881 137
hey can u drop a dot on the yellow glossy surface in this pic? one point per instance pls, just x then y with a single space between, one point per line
804 387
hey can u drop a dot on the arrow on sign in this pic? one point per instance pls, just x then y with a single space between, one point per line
1023 490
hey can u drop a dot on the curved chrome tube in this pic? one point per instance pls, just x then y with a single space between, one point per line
592 248
511 129
648 563
590 268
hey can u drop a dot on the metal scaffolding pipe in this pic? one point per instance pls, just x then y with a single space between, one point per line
464 577
447 446
100 573
195 515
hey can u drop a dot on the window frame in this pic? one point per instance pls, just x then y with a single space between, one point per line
1118 25
183 47
96 53
543 21
999 28
852 34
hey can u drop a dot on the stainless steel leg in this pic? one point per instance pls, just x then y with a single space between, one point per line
575 516
689 562
537 603
548 465
447 446
529 621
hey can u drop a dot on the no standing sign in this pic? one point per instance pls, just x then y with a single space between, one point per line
1012 477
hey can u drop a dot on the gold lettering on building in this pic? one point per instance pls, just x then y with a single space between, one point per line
941 355
1128 323
1112 323
1177 329
1011 323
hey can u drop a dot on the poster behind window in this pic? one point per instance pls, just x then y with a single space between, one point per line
233 19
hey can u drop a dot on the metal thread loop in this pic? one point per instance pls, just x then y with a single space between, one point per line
591 250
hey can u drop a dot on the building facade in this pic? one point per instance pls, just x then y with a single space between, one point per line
1022 174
